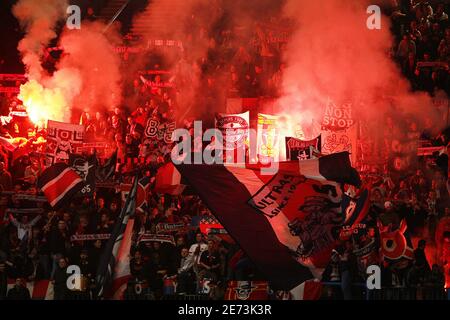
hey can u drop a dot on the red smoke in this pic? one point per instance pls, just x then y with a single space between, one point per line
87 75
334 55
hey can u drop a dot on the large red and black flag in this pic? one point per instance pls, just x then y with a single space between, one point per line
287 222
114 267
59 183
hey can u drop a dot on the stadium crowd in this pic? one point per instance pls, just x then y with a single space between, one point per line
38 245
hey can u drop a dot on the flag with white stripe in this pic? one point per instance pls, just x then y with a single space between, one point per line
59 183
113 270
295 214
308 290
168 180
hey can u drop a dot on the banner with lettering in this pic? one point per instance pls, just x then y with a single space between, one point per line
160 131
170 227
268 139
155 84
152 237
297 149
62 140
90 237
234 129
337 116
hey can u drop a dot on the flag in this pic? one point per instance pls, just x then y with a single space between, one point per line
106 172
334 167
85 167
209 226
141 195
208 223
59 183
168 180
357 229
113 271
300 149
356 209
247 290
308 290
288 222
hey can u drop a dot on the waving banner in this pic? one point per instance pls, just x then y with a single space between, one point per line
234 129
268 138
297 149
62 140
287 223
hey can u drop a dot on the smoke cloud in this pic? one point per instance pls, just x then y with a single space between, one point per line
87 75
39 20
333 55
91 54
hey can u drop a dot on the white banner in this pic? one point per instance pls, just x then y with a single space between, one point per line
63 139
234 128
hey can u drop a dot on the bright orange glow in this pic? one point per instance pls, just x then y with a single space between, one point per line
42 103
290 127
